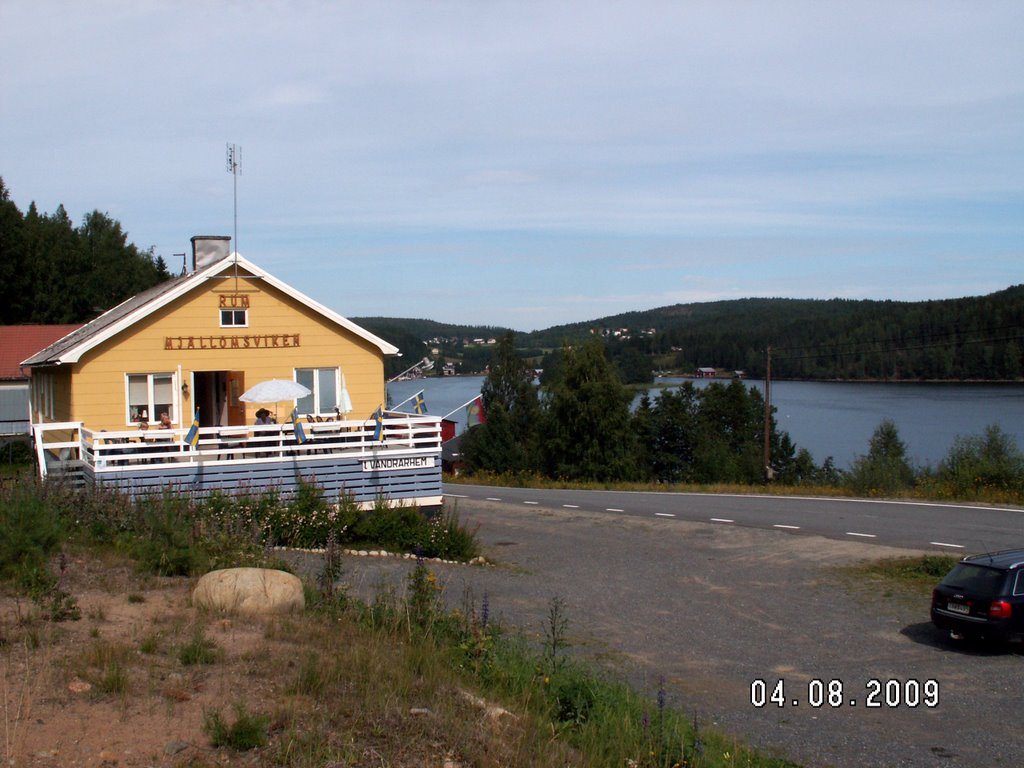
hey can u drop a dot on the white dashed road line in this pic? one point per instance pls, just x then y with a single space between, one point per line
613 509
721 520
531 502
787 527
663 514
571 506
944 544
864 535
492 498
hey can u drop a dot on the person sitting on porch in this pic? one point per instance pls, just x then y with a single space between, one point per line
263 417
165 421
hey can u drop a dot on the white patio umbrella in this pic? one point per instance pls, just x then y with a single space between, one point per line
274 391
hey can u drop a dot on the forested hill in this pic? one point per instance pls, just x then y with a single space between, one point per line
979 338
968 338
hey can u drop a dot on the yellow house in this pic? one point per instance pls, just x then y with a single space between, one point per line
198 341
190 348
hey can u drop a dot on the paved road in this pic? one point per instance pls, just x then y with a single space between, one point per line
921 525
714 608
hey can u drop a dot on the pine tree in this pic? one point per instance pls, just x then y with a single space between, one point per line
507 441
589 433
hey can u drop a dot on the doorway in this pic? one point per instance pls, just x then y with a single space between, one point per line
217 395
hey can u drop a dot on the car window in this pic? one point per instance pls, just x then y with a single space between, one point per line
975 578
1018 587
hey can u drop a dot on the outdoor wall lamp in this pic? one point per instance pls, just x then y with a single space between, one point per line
184 389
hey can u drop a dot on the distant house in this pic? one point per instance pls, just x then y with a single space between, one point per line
18 342
706 373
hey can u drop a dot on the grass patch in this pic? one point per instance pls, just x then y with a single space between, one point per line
914 575
106 665
151 644
248 731
199 650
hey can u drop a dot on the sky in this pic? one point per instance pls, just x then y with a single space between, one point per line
527 164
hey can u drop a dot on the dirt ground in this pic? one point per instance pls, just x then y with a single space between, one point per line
109 689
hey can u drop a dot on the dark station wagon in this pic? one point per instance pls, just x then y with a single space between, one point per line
983 597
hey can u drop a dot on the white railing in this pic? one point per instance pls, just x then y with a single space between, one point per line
71 444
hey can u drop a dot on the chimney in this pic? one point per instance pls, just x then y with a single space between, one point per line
209 249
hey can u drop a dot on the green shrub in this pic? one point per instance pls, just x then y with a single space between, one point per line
885 469
394 528
303 521
987 462
448 538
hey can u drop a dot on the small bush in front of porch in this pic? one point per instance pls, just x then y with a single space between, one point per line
308 519
410 529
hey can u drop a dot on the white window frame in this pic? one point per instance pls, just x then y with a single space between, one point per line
42 394
152 417
318 408
232 313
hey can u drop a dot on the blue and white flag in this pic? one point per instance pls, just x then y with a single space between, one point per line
192 436
418 403
378 424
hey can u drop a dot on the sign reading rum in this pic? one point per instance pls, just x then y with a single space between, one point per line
234 301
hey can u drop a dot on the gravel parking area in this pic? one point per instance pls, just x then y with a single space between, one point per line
714 609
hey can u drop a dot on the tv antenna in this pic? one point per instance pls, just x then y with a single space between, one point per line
234 167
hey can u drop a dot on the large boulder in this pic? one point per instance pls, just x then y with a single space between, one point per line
249 591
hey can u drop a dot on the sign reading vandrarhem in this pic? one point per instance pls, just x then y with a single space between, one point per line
398 462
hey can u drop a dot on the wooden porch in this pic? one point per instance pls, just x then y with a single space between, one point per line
402 463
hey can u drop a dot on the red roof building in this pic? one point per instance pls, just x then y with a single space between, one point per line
20 342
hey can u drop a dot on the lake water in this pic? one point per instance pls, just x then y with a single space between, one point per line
826 418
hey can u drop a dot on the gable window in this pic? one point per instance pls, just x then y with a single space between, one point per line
149 395
234 318
324 384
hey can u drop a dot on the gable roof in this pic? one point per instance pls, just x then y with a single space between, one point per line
19 341
71 347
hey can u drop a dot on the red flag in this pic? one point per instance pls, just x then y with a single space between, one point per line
475 412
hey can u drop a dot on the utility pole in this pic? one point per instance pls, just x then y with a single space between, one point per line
768 473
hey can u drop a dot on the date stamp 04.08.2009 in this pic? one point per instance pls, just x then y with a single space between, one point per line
817 694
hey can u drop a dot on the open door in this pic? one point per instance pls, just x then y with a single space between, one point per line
236 408
216 395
